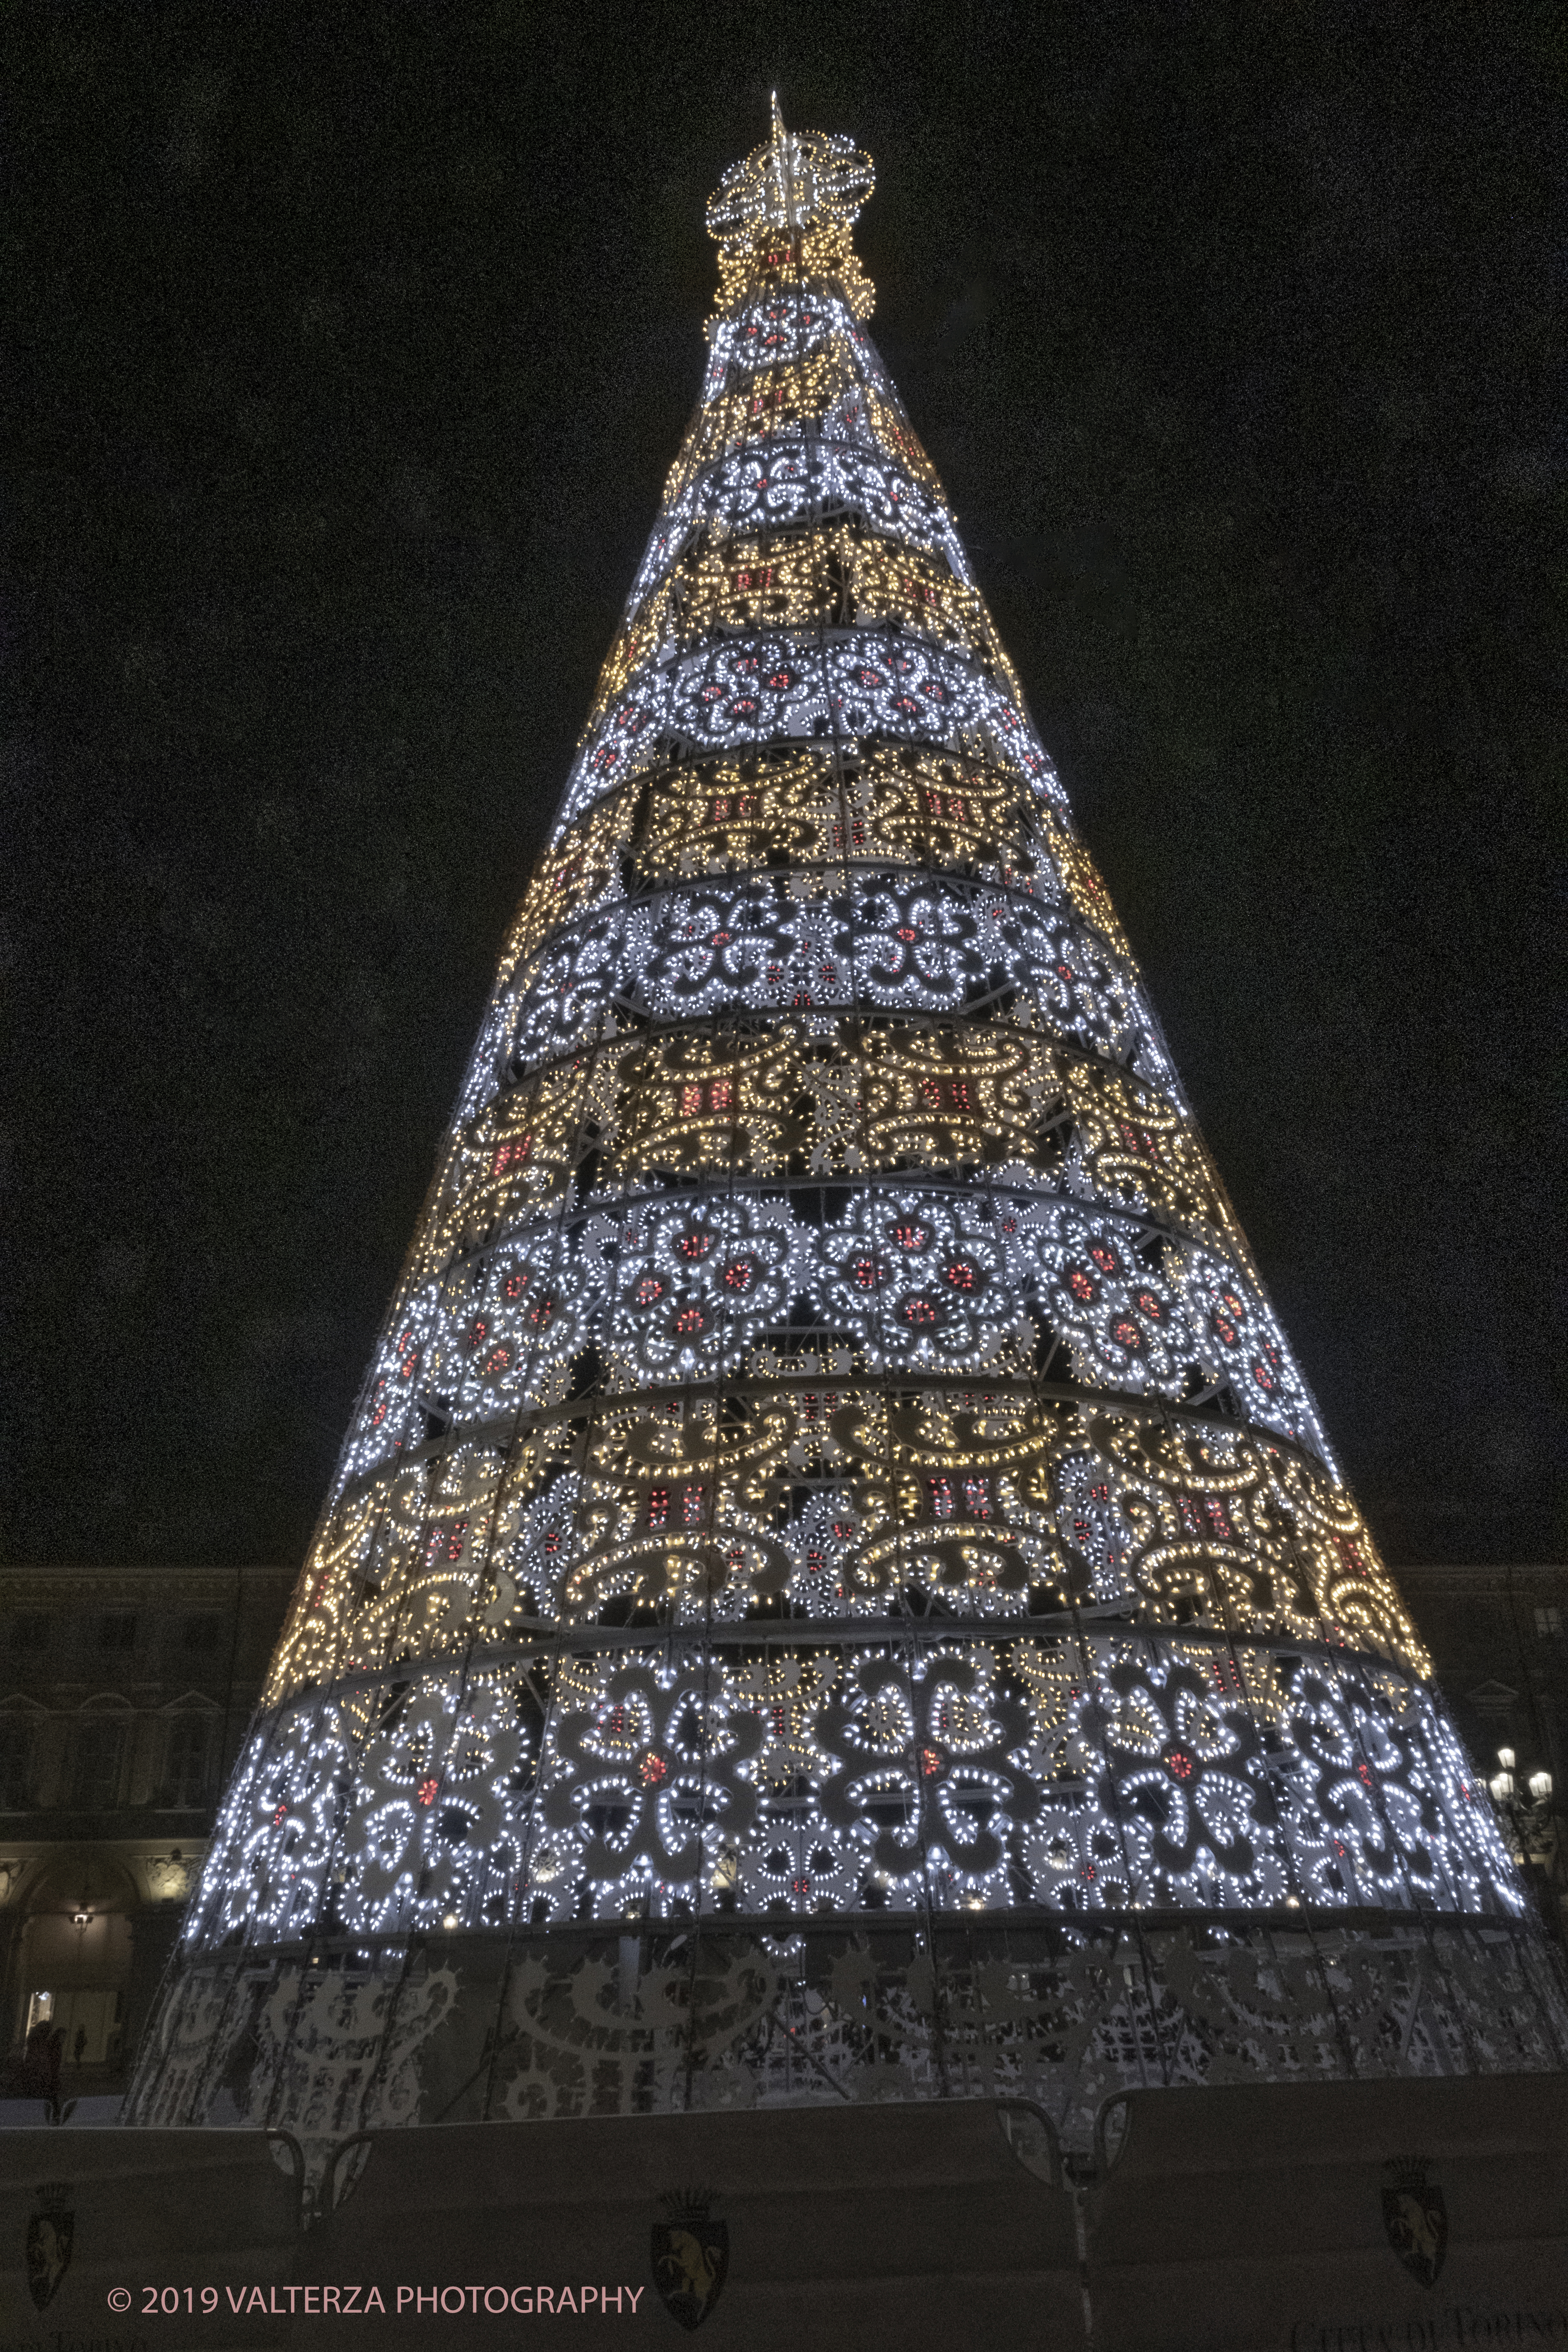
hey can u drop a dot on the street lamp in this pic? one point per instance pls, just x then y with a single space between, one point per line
1527 1818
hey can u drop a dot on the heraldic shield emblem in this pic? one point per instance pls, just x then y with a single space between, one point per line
690 2255
1415 2218
49 2234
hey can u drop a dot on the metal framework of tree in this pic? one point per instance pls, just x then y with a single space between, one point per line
831 1453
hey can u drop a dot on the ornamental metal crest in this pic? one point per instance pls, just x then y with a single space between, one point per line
1415 2218
50 2232
690 2255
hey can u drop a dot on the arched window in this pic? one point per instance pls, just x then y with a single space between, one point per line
16 1763
186 1759
98 1754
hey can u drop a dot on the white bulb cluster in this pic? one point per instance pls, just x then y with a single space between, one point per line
1087 1776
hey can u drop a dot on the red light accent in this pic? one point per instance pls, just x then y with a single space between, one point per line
978 1497
427 1791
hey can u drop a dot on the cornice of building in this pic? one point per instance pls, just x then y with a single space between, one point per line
25 1582
1461 1577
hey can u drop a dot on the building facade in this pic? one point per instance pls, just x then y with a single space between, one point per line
124 1697
836 1584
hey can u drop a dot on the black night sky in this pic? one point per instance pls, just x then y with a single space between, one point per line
351 347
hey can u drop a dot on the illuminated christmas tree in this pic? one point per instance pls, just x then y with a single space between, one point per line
832 1464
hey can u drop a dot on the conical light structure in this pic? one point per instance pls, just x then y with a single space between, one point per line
831 1461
